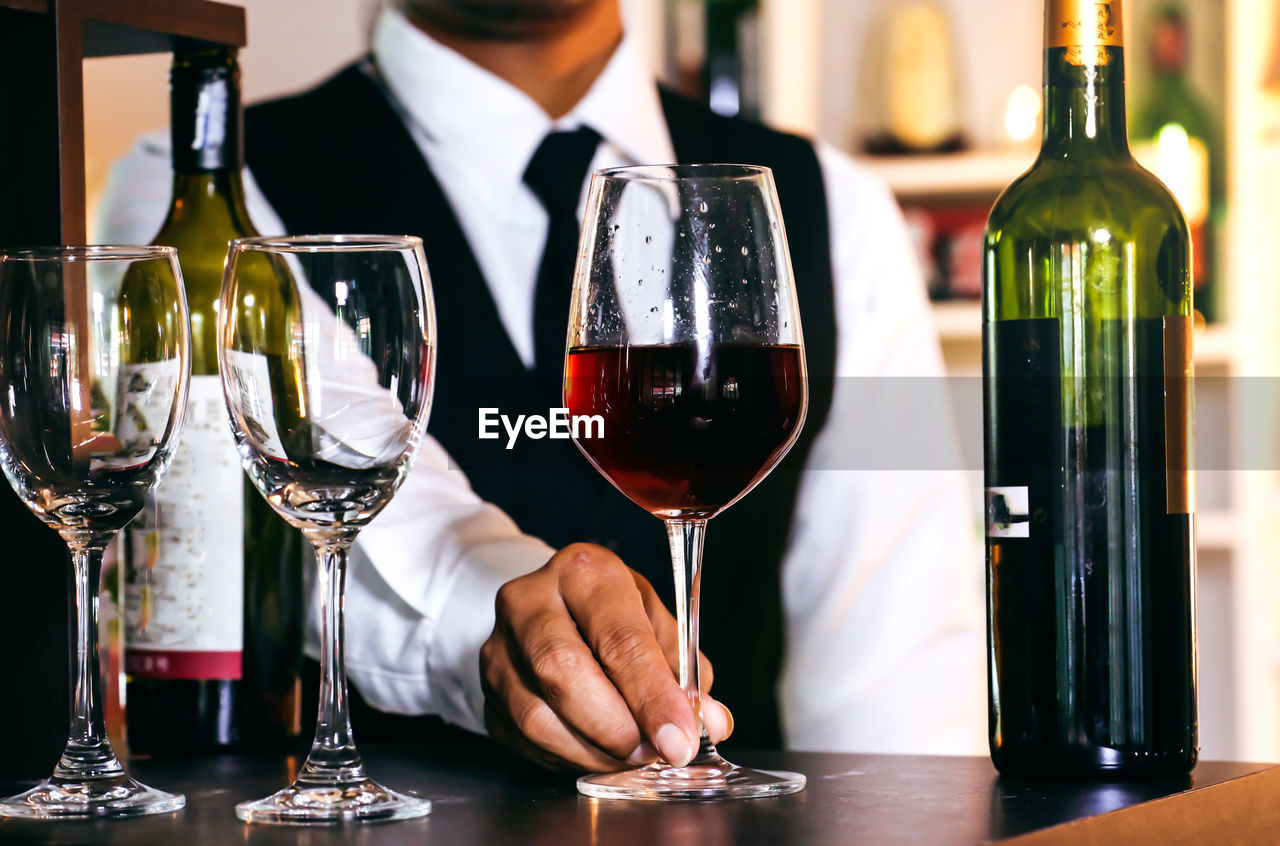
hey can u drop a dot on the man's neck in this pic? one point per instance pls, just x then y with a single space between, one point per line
556 69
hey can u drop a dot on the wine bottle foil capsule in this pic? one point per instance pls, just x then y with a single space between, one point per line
1086 28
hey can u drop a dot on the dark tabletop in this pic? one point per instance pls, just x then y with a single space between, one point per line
482 797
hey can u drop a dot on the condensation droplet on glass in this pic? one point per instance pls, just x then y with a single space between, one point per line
745 251
702 207
653 310
616 227
648 239
640 282
706 259
713 226
718 250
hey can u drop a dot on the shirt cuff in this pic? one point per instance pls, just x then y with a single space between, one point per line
465 622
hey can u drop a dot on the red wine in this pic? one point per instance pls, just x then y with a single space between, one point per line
687 431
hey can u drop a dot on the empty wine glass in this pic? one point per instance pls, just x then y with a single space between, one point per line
94 366
684 339
325 348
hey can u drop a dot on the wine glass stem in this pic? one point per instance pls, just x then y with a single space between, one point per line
88 752
333 757
685 537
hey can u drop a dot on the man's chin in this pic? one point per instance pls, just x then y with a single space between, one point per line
498 19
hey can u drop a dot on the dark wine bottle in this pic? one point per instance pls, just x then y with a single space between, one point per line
731 77
214 605
1088 429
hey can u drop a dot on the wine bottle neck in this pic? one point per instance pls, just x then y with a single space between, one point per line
220 192
1084 113
206 113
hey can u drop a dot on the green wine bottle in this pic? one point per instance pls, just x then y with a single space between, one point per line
1087 318
214 605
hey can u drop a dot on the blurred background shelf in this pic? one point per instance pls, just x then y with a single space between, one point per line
980 173
958 321
1216 531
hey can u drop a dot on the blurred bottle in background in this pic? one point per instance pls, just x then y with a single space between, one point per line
1175 138
713 50
910 99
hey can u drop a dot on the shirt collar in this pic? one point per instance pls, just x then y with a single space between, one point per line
473 119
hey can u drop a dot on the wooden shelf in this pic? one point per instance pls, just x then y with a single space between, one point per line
126 27
958 321
979 173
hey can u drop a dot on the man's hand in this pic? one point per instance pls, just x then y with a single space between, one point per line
579 672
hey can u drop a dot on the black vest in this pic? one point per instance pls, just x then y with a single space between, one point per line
338 159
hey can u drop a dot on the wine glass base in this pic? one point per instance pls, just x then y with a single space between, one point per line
116 796
321 804
706 777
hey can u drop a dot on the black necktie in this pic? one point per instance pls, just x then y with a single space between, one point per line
555 175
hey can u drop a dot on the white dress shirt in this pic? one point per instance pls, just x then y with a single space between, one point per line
882 579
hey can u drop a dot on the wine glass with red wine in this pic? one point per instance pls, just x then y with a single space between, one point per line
684 338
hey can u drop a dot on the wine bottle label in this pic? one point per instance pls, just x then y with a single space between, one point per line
184 588
1179 416
1086 28
1025 450
1008 513
1039 450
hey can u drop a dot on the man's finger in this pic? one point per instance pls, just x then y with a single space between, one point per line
560 666
501 729
610 613
532 720
717 719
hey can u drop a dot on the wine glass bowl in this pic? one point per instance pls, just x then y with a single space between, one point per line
94 368
326 357
685 347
